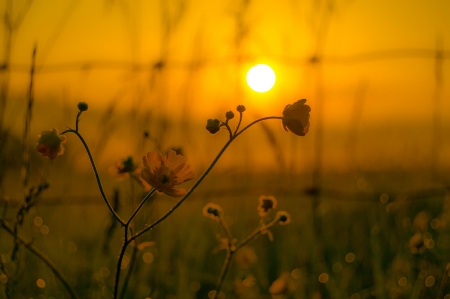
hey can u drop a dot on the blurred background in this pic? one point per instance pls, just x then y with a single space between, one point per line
375 74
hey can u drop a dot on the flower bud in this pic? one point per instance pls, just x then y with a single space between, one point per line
229 115
240 108
283 217
213 125
82 106
296 118
212 210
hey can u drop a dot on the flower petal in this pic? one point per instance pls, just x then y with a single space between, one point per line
175 192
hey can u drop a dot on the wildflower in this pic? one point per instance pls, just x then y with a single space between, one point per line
213 211
240 108
229 115
50 144
296 118
82 106
123 168
213 125
283 217
164 173
266 204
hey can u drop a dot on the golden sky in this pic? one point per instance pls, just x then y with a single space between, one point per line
380 53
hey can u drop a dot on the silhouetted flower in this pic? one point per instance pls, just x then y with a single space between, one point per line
50 144
164 173
266 204
213 211
296 118
229 115
82 106
213 125
283 217
123 168
240 108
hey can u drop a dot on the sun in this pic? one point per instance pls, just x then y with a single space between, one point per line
261 78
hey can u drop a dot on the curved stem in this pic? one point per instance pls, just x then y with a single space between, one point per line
151 226
256 233
239 123
96 174
77 120
119 261
223 272
140 206
256 121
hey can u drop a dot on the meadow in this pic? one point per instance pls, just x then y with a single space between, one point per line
358 206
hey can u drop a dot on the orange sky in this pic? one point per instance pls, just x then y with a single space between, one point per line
86 50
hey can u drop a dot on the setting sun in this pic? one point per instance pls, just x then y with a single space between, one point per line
261 78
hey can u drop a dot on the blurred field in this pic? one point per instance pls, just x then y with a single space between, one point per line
368 188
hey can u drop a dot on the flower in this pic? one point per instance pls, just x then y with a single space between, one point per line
213 211
283 217
123 168
229 115
296 118
50 144
82 106
240 108
164 173
266 203
213 125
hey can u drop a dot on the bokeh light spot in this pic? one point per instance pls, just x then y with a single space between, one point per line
296 273
147 257
402 281
350 257
194 286
261 78
323 278
44 229
3 278
40 283
429 281
37 221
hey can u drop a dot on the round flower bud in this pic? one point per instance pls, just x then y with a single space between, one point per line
82 106
296 118
229 115
240 108
283 217
213 125
213 211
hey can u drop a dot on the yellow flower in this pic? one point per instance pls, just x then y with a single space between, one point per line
50 144
213 211
164 173
296 118
266 204
283 217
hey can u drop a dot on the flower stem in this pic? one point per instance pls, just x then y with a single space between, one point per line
151 226
140 206
96 174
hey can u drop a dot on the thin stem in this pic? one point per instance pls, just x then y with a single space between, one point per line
187 194
127 277
256 233
140 206
40 255
96 175
223 272
119 261
257 121
227 261
239 123
225 124
77 120
201 178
